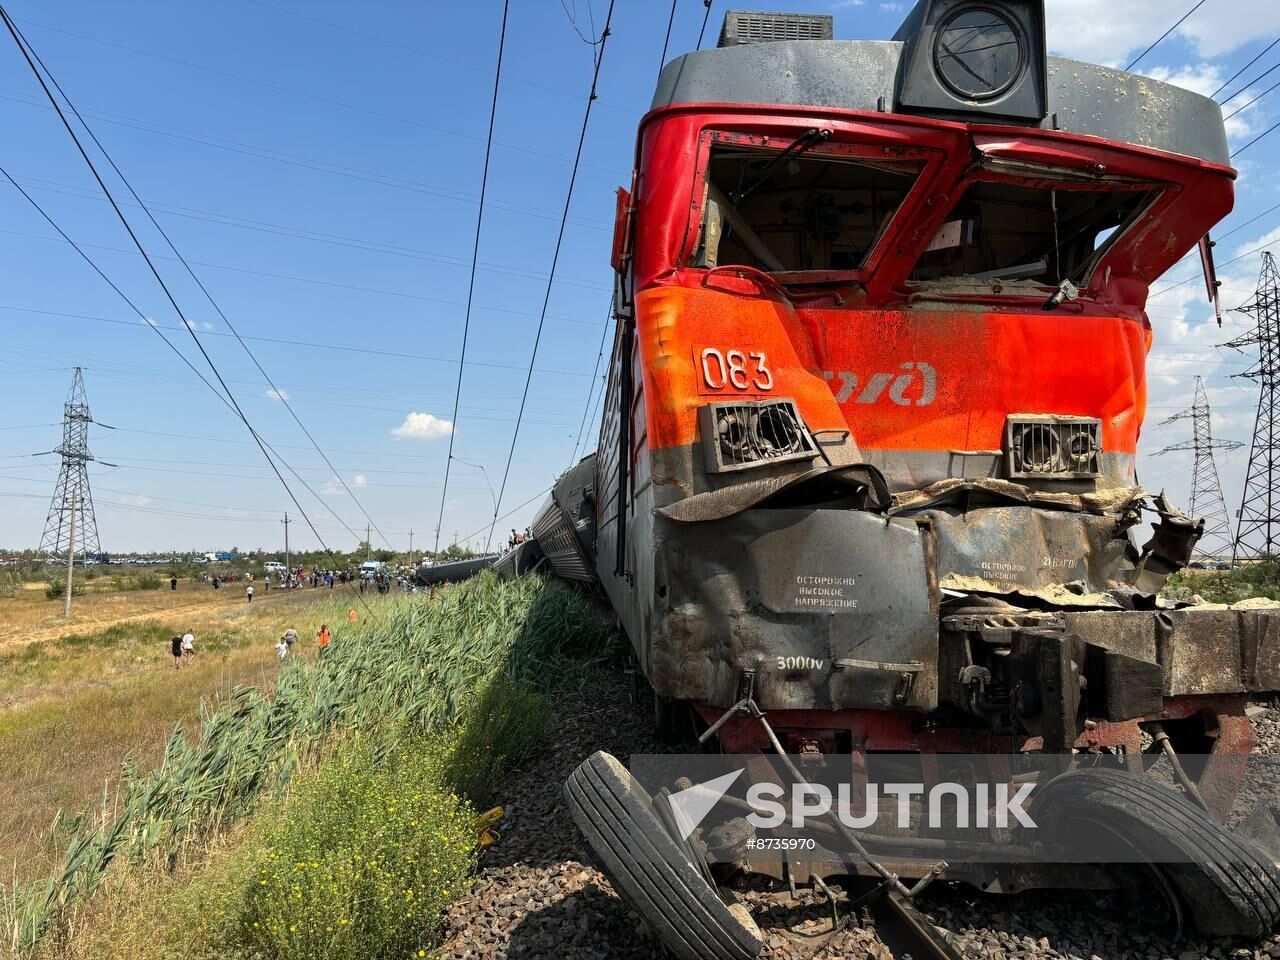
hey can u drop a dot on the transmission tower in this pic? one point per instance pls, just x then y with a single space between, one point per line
72 495
1206 492
1258 527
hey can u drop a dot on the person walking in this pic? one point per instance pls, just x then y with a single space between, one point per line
324 637
351 615
282 650
173 583
217 583
188 646
248 592
175 647
289 637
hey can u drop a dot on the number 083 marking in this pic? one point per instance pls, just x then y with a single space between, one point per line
737 369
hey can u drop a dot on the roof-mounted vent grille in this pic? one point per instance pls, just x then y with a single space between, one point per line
745 27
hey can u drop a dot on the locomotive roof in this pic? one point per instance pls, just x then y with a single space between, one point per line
860 75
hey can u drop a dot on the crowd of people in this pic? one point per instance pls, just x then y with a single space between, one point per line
183 647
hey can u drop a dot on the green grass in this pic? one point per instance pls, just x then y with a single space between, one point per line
359 862
425 666
1261 579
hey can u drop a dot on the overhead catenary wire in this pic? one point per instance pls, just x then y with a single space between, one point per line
555 259
279 394
706 15
179 354
1246 106
328 101
666 41
1271 129
591 387
1230 80
311 163
1134 62
28 57
475 260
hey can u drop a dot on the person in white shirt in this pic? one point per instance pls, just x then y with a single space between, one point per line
248 592
282 650
188 646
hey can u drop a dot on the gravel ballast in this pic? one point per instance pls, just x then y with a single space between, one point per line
538 894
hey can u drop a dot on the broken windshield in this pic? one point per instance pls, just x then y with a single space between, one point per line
820 210
1043 234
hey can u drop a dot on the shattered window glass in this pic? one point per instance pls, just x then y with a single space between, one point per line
818 211
1043 234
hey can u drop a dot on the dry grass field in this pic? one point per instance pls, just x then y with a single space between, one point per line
78 696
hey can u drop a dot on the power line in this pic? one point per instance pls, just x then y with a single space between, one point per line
327 101
662 61
28 55
1255 99
280 395
380 247
475 259
705 17
591 387
312 163
1232 78
169 344
1225 263
166 340
555 258
313 281
429 54
1132 63
1264 133
317 345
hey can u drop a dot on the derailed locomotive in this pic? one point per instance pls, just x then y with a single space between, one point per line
867 457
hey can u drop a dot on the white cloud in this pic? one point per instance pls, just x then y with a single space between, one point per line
842 4
149 322
893 7
359 480
1112 31
333 488
423 426
273 394
135 500
198 325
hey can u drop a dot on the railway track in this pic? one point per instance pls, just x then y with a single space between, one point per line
907 932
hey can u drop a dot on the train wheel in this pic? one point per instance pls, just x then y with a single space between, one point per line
650 869
1225 885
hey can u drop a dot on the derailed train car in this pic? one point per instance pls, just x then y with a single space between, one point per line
867 456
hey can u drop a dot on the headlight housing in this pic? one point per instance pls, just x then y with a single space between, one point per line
739 436
1058 447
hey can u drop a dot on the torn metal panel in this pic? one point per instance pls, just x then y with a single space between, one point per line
1170 547
831 608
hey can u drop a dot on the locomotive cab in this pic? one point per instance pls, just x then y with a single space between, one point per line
878 377
867 457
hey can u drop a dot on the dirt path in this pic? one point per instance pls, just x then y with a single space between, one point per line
99 611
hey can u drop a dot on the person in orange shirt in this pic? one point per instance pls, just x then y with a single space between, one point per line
324 638
351 615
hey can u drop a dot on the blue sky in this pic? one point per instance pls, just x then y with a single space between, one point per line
322 179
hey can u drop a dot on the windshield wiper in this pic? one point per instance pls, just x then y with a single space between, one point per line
802 143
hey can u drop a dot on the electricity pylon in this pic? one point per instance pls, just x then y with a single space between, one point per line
1206 492
1258 526
72 496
